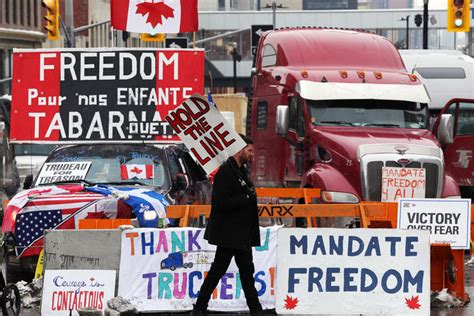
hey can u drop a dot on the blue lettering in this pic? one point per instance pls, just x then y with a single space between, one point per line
373 246
298 243
393 243
258 279
349 278
409 246
192 240
365 275
292 280
336 248
398 284
149 287
148 244
315 280
319 244
351 252
330 278
193 274
417 280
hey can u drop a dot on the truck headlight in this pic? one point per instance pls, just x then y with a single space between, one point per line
338 197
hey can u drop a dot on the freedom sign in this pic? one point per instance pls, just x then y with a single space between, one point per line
371 271
163 270
84 95
402 183
69 290
447 220
205 132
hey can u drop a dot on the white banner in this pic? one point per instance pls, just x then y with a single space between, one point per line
448 220
63 171
163 270
205 132
353 271
66 290
400 183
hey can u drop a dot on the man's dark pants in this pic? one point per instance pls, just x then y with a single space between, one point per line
243 259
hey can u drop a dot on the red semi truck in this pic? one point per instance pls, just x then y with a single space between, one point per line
337 110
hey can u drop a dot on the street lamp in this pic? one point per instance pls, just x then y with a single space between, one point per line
407 30
236 57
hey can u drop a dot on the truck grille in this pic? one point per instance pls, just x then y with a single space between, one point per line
374 177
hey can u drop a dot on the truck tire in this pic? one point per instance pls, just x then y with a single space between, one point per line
11 300
190 265
172 268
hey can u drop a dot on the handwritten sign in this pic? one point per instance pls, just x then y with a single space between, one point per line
402 183
205 132
66 290
98 94
353 271
163 270
63 171
448 220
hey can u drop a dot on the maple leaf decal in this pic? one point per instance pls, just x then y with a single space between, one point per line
156 12
136 170
290 303
413 302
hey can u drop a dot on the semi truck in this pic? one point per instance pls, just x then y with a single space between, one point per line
337 110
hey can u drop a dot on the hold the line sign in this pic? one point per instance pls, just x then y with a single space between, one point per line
448 220
205 132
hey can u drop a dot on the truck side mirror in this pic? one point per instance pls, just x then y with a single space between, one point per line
28 182
181 182
282 117
445 132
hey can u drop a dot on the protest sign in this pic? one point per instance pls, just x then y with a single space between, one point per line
205 132
63 171
448 220
353 271
70 290
74 95
163 270
402 183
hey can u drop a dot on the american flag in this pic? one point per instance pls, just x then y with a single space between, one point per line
44 212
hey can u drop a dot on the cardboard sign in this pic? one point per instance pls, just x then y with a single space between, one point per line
448 220
66 290
205 132
163 270
74 95
63 171
353 271
402 183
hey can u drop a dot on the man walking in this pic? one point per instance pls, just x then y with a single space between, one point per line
233 228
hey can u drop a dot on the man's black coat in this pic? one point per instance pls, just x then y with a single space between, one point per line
233 222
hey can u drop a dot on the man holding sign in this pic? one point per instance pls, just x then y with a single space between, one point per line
233 228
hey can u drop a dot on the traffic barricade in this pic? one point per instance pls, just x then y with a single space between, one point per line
447 265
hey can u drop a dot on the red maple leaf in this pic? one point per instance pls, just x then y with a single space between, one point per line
412 303
155 11
136 170
291 303
92 279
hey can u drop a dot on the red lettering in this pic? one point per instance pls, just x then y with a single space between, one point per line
198 157
101 297
74 302
222 135
205 125
53 305
214 143
201 104
177 121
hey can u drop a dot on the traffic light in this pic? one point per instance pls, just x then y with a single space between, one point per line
459 16
418 19
52 18
152 38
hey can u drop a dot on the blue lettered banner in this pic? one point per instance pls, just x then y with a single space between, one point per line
163 270
353 271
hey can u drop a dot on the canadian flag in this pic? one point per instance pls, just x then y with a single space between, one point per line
136 172
154 16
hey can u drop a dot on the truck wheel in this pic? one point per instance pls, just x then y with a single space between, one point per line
190 265
11 300
451 272
172 268
185 265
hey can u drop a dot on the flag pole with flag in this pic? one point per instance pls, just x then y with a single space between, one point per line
152 16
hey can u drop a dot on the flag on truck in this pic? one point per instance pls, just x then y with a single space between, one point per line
134 171
152 17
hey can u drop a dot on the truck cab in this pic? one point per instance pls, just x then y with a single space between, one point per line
337 110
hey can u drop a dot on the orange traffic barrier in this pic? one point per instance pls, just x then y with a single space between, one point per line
447 265
103 223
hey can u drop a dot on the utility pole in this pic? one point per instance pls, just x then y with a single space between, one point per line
407 31
70 23
274 9
425 24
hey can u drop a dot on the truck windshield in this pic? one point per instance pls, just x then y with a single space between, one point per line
33 149
370 113
114 164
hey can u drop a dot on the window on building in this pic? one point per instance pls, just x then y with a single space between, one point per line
221 5
269 56
7 11
441 72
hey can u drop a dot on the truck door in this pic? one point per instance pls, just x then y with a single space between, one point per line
295 150
458 155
